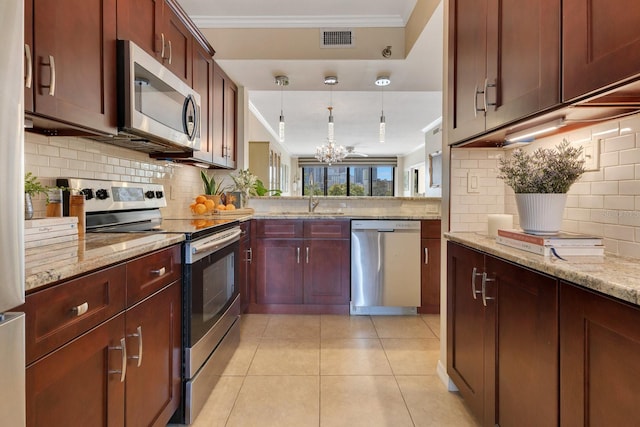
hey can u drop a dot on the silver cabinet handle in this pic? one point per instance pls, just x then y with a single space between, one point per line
81 309
298 255
138 334
487 85
307 255
249 255
52 83
122 347
29 67
426 255
484 94
162 43
474 274
475 101
159 272
484 289
170 52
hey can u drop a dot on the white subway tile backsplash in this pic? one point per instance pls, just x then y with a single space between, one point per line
630 156
628 249
469 164
629 187
580 188
591 202
607 187
619 173
619 143
609 159
619 202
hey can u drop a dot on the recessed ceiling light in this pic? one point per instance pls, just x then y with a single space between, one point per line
330 80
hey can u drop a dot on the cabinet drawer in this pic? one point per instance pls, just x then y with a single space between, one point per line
323 229
147 274
430 229
278 228
58 314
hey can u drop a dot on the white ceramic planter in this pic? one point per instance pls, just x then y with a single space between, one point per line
541 213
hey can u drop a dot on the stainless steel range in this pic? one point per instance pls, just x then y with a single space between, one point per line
211 302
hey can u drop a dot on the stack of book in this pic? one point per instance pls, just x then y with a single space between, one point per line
559 245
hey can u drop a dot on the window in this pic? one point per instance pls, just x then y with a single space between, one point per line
348 180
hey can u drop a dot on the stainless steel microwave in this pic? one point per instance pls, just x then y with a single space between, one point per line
157 112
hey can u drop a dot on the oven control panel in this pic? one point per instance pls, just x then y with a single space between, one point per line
115 195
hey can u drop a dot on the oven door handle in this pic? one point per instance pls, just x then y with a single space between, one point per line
196 249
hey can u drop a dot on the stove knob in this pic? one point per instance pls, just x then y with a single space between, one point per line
102 194
88 193
150 194
159 194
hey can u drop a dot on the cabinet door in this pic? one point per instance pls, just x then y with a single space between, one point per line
430 276
177 48
467 67
80 383
599 347
28 55
466 325
246 261
521 351
230 122
140 21
601 44
203 84
326 271
523 59
75 62
153 330
279 271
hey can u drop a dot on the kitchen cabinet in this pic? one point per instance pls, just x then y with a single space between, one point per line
105 349
73 63
28 56
224 129
504 63
246 266
158 29
202 69
502 339
594 55
599 347
304 264
430 266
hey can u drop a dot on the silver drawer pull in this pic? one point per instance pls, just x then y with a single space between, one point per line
474 291
81 309
28 67
485 298
159 272
138 334
123 348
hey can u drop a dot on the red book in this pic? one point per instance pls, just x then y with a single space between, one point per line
560 239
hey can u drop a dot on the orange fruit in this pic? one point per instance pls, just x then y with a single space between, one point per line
200 208
200 199
209 204
221 207
230 207
192 206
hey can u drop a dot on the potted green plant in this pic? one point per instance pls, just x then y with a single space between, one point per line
541 180
212 189
245 182
32 186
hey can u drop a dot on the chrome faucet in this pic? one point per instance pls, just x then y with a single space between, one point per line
313 203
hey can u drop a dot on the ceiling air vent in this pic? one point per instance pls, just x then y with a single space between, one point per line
332 38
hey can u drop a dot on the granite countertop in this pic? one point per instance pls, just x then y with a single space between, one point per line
342 215
611 275
52 263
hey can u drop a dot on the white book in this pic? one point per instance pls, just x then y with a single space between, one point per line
560 251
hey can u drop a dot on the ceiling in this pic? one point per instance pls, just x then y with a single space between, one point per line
256 41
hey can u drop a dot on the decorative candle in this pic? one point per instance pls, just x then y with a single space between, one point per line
499 221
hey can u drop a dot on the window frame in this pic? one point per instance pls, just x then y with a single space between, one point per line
325 179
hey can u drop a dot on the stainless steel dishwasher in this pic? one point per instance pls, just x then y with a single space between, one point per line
385 266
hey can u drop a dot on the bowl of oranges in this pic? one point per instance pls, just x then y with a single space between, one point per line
207 204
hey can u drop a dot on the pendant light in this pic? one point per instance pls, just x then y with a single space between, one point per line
382 81
281 81
330 153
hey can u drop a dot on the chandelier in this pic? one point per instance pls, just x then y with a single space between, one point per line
330 153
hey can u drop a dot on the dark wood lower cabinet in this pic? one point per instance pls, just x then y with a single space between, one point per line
279 271
326 271
73 386
599 351
502 339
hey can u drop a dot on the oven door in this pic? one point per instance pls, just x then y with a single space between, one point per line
211 296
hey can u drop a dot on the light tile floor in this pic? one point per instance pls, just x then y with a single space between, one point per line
330 370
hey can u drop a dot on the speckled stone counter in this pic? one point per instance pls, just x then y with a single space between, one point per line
345 215
95 251
611 275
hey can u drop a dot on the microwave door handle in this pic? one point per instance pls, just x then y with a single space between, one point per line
189 123
197 248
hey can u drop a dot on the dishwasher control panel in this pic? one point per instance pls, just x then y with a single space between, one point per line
385 224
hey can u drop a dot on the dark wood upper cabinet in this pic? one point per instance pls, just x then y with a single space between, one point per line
504 63
224 119
74 62
28 55
140 21
177 45
202 69
601 45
